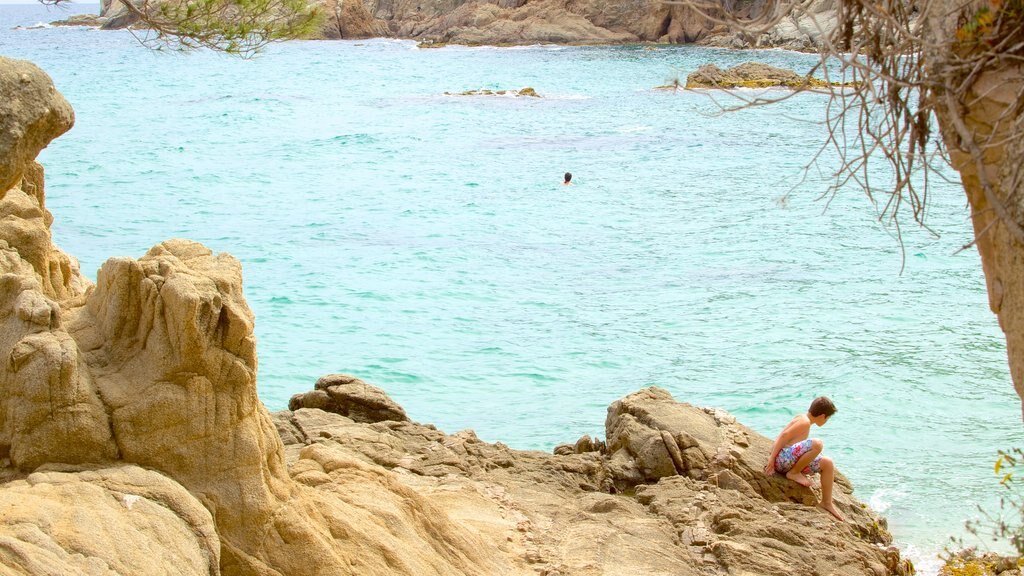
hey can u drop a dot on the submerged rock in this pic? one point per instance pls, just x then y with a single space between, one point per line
530 92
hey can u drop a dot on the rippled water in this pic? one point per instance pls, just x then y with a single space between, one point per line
424 242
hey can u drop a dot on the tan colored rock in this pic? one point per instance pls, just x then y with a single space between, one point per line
555 513
351 397
49 407
350 20
32 113
117 520
169 342
156 366
750 75
708 444
388 527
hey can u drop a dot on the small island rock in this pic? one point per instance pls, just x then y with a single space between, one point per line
750 75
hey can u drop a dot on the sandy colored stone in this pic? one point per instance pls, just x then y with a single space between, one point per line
349 396
32 113
750 75
50 410
564 513
116 520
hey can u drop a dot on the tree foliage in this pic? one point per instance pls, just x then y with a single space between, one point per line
904 65
239 27
1006 524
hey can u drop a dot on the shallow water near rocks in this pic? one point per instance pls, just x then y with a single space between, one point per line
424 243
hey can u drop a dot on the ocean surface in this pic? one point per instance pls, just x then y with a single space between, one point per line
424 243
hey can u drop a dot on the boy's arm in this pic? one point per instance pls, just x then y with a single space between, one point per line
781 442
769 469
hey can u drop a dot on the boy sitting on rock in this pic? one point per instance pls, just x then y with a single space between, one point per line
794 455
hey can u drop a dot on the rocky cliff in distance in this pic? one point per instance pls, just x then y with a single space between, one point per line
132 441
517 22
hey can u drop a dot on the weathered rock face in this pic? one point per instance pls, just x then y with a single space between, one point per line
504 22
350 20
349 396
32 114
585 22
114 520
803 30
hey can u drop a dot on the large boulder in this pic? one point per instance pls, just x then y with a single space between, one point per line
651 436
50 410
32 113
349 396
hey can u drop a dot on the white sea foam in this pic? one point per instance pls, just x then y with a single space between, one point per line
632 129
926 562
36 26
883 499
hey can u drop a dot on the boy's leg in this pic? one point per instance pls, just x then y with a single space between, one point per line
796 472
828 476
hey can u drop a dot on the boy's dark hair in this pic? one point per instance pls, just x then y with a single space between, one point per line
822 406
568 176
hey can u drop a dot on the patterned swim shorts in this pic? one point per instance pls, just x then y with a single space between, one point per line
790 454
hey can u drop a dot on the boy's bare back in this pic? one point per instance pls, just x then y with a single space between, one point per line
798 429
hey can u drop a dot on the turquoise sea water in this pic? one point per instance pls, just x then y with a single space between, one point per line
424 243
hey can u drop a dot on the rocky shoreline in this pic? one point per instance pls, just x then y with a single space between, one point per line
132 441
524 22
675 489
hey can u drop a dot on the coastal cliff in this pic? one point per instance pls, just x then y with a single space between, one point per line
133 442
514 22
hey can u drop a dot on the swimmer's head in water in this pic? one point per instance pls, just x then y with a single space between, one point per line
568 177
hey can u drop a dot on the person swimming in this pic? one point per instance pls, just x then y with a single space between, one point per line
568 179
